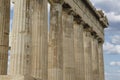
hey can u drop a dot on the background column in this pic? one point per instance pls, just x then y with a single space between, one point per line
55 53
95 63
79 51
4 34
87 54
39 39
21 39
101 60
68 47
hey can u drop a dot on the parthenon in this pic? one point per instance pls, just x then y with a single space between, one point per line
69 46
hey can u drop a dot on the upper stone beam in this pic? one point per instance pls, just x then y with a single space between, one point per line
56 1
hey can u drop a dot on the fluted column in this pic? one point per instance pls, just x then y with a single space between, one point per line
79 51
95 63
4 34
87 54
101 60
39 39
55 53
68 47
21 39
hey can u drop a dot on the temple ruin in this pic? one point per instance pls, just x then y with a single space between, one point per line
71 48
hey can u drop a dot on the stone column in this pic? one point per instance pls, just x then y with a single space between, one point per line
4 34
39 39
21 39
101 60
55 53
95 62
79 51
68 47
87 54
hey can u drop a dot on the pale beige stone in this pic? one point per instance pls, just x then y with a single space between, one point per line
4 34
101 61
21 39
88 55
55 54
39 39
18 77
95 59
73 53
68 47
79 51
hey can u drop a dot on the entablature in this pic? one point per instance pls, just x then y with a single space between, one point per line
89 15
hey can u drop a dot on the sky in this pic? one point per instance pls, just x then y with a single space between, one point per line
112 36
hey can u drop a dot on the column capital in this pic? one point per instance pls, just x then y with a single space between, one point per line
94 34
67 8
56 1
87 28
78 20
100 40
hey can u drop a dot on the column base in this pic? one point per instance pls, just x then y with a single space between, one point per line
19 77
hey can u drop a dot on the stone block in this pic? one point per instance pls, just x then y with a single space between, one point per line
19 77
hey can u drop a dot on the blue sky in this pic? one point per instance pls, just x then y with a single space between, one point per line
112 37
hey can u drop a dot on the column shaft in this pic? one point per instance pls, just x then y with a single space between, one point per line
68 47
4 34
21 39
55 55
101 61
95 62
79 51
39 39
87 55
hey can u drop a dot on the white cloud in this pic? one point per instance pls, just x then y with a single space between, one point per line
113 17
113 63
112 76
110 48
116 39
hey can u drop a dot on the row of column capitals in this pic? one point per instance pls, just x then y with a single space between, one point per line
93 33
67 8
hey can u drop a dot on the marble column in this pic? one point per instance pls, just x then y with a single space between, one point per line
21 39
79 51
39 39
95 63
55 53
68 47
87 54
101 60
4 34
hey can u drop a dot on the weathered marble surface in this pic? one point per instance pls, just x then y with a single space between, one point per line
79 51
21 39
20 77
4 34
72 54
68 47
55 51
